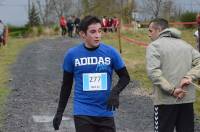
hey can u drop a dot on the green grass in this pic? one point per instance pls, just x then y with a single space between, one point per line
134 56
8 56
17 31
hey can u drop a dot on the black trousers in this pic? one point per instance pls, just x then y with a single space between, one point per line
94 124
170 117
64 30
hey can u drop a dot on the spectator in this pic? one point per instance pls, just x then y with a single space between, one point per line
104 23
63 25
115 23
172 64
76 23
70 26
2 33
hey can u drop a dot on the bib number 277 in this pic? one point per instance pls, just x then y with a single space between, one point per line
94 81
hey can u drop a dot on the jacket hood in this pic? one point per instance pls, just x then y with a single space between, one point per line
170 32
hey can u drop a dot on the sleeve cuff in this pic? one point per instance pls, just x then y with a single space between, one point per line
172 91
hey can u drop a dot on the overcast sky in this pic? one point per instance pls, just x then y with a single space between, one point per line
15 11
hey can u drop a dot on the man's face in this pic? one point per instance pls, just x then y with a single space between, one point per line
93 35
153 31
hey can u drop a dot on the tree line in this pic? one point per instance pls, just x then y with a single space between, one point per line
47 12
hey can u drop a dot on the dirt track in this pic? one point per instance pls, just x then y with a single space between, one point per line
36 81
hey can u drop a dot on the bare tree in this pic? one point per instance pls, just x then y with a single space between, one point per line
178 10
86 5
43 10
61 7
51 10
167 9
105 7
128 10
156 8
78 8
153 7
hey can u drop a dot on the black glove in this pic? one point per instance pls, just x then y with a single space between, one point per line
113 101
56 121
64 96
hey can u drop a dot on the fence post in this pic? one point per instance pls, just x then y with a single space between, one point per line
119 36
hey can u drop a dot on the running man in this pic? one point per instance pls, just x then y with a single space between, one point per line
91 65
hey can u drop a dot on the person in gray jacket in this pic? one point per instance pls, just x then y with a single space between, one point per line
196 35
172 64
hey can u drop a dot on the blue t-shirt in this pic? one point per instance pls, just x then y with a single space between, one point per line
92 71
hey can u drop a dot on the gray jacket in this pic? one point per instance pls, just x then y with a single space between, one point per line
169 59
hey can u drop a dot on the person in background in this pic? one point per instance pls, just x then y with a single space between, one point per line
76 23
172 65
104 23
110 24
70 26
115 23
63 25
3 34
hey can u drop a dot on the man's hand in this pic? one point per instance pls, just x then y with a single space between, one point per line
56 121
185 82
179 93
113 101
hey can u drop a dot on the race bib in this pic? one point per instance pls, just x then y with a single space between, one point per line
94 81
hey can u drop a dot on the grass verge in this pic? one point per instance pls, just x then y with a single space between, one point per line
133 55
8 56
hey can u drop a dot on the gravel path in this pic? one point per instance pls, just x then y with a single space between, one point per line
35 85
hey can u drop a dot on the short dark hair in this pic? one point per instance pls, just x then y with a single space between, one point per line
86 21
160 22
